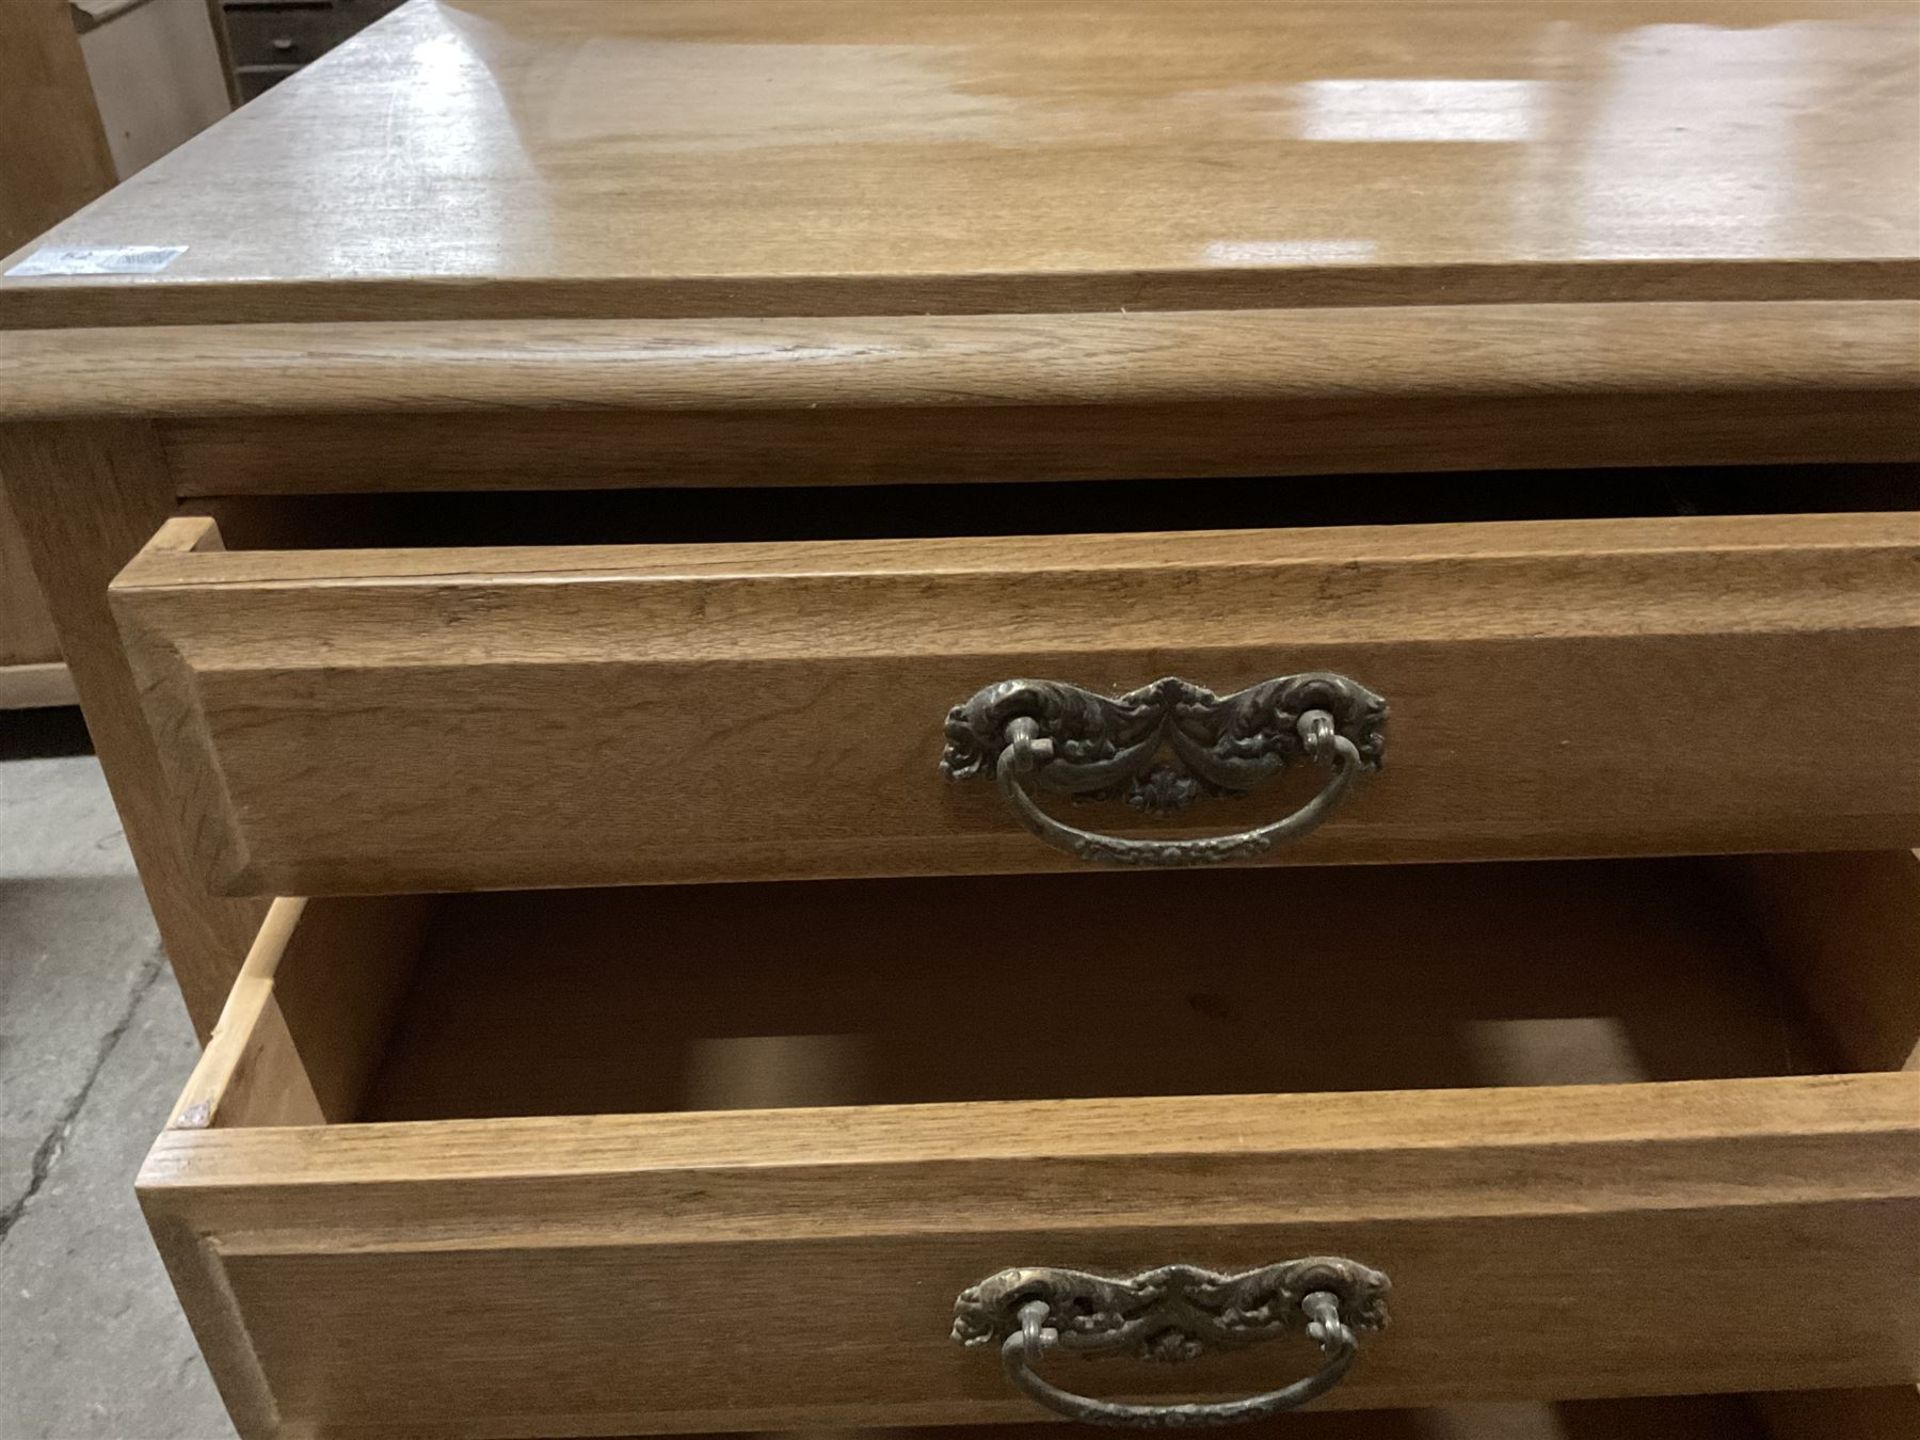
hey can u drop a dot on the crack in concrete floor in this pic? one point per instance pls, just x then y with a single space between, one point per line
94 1046
47 1153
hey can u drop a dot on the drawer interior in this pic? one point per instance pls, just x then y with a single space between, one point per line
610 1162
1081 986
867 993
695 514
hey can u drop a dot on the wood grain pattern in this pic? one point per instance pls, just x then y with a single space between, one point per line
258 408
690 1269
775 710
32 674
523 1277
339 987
26 629
195 1271
88 496
593 1276
843 156
250 1072
928 362
330 972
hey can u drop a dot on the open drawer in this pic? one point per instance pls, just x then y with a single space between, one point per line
398 720
725 1158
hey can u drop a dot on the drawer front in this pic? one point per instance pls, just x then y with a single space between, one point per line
601 1276
284 34
579 1271
256 80
359 721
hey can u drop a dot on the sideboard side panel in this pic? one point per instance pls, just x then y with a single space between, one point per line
88 495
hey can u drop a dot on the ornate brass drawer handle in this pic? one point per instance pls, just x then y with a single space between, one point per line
1174 1313
1061 737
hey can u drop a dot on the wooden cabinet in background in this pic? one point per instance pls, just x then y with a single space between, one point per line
90 92
156 71
268 40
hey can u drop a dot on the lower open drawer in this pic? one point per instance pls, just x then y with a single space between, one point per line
722 1158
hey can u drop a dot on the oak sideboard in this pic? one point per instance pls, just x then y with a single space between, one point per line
853 715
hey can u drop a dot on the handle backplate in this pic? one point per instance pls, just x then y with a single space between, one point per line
1056 736
1177 1312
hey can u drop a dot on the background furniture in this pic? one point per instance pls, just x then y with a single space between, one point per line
268 40
668 447
156 72
53 159
94 91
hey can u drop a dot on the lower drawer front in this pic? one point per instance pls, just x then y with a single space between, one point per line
1887 1413
461 1168
532 1280
421 720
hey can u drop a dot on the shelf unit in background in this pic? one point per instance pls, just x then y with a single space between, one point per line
268 40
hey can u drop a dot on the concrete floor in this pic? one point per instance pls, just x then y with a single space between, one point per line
94 1045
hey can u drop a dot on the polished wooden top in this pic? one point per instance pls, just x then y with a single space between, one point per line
679 157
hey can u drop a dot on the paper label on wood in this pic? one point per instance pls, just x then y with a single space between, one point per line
98 260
